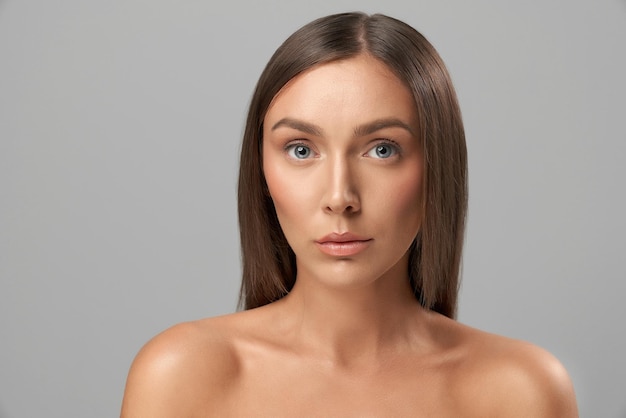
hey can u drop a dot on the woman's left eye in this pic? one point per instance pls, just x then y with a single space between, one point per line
383 150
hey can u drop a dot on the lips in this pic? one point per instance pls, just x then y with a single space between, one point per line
342 245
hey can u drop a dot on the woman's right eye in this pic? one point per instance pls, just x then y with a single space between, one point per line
299 151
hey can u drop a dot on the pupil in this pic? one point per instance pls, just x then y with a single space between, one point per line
301 151
382 150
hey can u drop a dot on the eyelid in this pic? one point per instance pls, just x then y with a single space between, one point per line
299 142
385 141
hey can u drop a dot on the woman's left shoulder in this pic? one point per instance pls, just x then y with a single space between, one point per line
514 378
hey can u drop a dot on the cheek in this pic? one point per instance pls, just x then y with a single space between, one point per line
280 188
410 194
290 195
403 199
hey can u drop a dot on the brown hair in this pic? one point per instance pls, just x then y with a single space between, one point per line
269 269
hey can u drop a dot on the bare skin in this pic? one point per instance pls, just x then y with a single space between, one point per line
261 363
340 156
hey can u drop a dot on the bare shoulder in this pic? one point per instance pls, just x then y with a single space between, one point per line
504 377
182 369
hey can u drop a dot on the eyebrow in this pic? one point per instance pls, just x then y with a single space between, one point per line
379 124
361 130
307 128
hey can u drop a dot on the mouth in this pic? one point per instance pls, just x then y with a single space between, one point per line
343 245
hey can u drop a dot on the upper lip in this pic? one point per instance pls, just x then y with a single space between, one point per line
343 237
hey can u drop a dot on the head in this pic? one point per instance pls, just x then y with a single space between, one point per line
269 264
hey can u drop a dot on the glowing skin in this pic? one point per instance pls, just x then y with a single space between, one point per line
341 156
344 167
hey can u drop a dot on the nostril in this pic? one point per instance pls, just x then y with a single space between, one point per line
342 201
340 208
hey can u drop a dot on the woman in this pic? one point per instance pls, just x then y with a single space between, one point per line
352 200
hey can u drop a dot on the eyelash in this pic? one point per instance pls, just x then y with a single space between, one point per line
388 142
293 145
382 142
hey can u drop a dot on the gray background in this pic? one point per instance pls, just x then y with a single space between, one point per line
120 124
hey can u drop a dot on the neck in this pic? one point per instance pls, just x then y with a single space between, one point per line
348 325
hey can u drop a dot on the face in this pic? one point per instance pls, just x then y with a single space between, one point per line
344 166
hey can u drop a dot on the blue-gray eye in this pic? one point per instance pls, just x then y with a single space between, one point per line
383 151
299 151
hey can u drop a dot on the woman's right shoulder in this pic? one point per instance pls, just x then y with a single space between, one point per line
186 367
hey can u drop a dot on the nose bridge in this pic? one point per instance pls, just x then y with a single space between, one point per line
341 194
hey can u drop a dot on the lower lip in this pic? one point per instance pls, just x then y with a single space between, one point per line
343 249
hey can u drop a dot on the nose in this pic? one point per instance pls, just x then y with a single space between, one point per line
341 195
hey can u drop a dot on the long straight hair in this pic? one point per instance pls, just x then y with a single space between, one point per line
269 268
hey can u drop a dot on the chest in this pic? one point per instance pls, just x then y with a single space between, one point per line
311 391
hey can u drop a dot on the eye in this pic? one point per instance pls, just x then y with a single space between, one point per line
298 151
383 150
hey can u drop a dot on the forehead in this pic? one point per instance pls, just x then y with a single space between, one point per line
352 91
